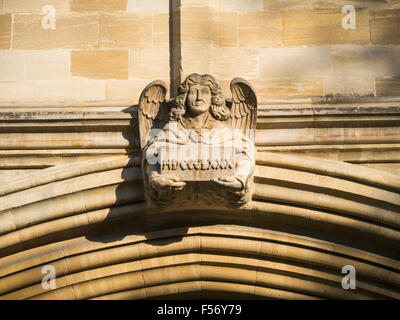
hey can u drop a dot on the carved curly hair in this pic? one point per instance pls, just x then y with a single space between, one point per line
218 108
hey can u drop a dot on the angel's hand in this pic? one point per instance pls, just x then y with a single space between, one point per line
167 183
229 182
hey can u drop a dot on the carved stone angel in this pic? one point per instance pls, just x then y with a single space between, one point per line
198 118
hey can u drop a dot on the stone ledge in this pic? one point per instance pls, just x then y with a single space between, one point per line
378 109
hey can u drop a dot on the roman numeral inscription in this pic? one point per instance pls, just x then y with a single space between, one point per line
201 165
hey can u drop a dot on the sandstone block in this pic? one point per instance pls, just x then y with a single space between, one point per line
349 86
11 65
73 90
236 62
98 5
199 24
197 57
260 29
149 63
354 60
385 26
5 31
388 167
148 5
11 91
323 27
395 4
200 3
20 6
125 30
50 65
161 30
388 86
126 90
286 88
34 65
338 4
239 5
100 64
294 63
228 29
73 30
287 5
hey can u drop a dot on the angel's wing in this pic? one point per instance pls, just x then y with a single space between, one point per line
152 107
244 105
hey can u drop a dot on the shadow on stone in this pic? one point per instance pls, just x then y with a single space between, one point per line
130 200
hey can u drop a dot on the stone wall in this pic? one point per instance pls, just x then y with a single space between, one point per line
105 52
295 48
99 51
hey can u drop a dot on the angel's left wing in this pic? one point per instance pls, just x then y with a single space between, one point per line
152 109
244 105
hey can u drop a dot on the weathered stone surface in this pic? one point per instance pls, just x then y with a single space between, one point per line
349 86
100 64
161 30
288 5
395 4
206 24
5 31
98 5
245 61
313 28
198 3
20 6
387 86
17 91
294 63
125 30
352 60
228 29
47 65
260 29
73 30
286 88
34 65
239 5
11 65
149 63
199 24
72 90
338 4
385 26
148 5
125 89
388 167
197 57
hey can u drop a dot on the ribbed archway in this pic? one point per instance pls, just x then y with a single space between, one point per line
307 220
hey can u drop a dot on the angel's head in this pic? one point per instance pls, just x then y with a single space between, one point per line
199 94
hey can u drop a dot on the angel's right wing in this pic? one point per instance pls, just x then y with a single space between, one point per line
152 109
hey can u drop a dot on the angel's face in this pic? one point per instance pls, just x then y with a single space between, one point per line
199 99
